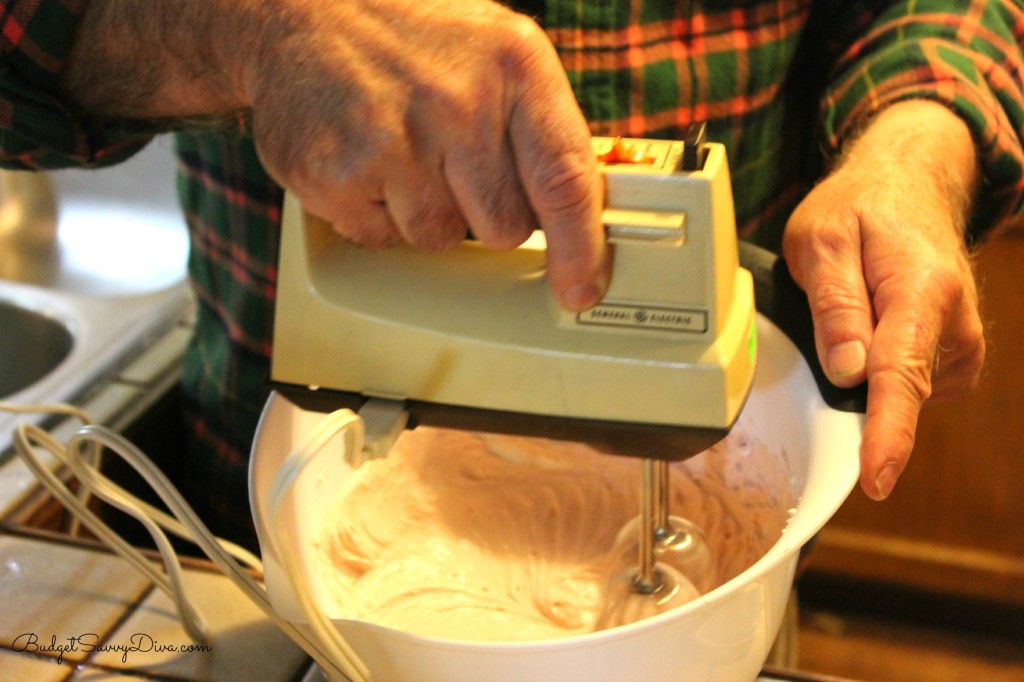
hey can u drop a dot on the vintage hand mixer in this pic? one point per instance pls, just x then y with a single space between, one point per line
472 338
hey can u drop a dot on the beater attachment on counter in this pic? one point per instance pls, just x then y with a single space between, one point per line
82 456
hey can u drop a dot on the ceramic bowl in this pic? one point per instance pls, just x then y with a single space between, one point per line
723 636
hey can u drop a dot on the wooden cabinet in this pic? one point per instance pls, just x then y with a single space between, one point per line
955 523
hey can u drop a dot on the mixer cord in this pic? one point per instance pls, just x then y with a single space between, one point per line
82 456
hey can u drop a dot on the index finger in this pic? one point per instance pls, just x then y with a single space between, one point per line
899 370
551 145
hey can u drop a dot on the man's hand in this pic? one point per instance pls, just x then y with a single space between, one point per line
394 120
878 247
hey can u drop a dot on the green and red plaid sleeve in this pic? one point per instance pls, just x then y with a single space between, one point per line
758 71
966 54
37 128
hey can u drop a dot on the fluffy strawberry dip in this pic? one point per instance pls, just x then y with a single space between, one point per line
484 537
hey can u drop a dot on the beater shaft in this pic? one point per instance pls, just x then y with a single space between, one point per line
654 523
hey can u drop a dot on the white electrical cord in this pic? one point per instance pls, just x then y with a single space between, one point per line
282 488
82 456
95 455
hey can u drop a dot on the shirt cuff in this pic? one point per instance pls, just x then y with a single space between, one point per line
37 127
956 77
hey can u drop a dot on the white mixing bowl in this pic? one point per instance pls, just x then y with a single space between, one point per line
723 636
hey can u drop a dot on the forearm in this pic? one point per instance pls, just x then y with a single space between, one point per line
157 59
964 55
924 148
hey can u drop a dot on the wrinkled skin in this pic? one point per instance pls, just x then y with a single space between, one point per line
432 119
392 119
878 247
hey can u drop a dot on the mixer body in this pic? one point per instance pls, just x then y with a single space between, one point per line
473 339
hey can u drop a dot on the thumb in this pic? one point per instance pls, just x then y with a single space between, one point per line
840 305
550 142
565 190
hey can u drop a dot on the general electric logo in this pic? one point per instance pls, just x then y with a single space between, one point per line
645 317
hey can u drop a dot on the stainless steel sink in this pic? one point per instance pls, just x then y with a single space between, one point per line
115 232
33 346
92 271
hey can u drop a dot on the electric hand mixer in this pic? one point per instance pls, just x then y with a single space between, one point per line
472 339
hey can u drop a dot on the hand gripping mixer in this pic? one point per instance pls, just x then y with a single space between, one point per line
472 338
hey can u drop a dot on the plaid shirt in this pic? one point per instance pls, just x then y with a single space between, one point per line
782 83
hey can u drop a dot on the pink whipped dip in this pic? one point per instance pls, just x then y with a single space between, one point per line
494 538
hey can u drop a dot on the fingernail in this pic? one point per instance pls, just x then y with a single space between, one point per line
847 358
581 297
886 480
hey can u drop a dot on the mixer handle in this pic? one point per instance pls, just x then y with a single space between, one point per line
778 298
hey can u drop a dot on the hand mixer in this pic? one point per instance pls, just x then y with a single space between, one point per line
472 338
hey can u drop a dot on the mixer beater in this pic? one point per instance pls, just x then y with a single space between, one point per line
667 540
668 560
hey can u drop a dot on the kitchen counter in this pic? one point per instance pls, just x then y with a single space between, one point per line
77 613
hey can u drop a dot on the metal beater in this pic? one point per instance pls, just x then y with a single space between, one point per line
666 540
